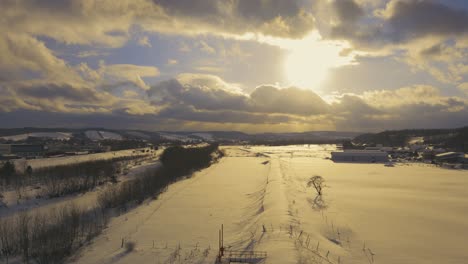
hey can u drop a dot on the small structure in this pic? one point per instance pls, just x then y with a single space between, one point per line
450 157
363 156
232 256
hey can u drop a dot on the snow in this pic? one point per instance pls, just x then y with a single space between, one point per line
102 135
174 137
52 135
50 162
84 200
410 213
205 136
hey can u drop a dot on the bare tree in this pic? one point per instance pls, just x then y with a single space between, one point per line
318 182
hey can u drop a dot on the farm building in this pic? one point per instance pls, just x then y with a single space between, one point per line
364 156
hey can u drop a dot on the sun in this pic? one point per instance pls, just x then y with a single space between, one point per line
310 60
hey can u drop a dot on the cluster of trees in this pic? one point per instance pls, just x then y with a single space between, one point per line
66 179
49 238
456 138
150 184
178 163
123 144
7 173
180 160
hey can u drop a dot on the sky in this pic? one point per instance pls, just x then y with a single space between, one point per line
245 65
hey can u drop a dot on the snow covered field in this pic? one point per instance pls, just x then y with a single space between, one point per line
21 164
369 213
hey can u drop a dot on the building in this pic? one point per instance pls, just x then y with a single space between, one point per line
363 156
22 150
450 157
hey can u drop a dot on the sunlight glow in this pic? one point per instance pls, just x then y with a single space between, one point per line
311 59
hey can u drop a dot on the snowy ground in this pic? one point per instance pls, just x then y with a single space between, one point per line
370 213
21 164
29 202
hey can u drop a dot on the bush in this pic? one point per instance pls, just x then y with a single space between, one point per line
7 172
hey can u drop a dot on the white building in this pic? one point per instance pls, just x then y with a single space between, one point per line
364 156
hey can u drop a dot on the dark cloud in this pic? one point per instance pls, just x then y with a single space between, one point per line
264 99
432 51
108 23
62 91
189 113
271 17
200 97
416 18
267 9
208 102
401 22
288 100
409 107
347 11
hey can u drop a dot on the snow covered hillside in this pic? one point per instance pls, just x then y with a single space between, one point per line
369 213
102 135
51 135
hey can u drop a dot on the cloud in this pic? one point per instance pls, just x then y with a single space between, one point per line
72 21
427 35
128 72
207 92
399 22
268 17
207 101
105 23
172 62
22 53
418 106
464 88
144 41
206 48
348 11
290 100
91 53
416 18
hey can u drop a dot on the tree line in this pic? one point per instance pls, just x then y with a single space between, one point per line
178 163
65 179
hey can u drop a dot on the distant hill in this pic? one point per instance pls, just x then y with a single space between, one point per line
102 134
450 138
